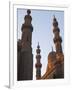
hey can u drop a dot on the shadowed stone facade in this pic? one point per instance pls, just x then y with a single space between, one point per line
24 51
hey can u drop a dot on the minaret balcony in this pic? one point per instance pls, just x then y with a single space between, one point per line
30 27
56 29
59 39
55 23
38 65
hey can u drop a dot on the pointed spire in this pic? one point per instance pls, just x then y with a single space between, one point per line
38 43
52 48
38 46
54 18
38 49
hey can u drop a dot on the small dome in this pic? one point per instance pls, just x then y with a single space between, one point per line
52 58
28 15
52 54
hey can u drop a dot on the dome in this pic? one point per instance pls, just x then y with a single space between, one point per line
52 55
51 59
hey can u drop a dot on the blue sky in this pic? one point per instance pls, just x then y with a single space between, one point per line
42 32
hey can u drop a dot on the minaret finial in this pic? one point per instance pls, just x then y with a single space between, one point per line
53 16
52 48
28 11
38 45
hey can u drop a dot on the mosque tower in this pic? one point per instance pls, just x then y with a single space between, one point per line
38 64
59 53
25 56
57 39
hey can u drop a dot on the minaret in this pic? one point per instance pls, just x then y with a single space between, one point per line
38 64
25 56
59 52
27 30
57 38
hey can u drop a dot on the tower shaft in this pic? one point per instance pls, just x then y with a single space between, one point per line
57 39
59 53
38 64
25 56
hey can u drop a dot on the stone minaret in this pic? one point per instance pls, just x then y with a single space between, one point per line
38 64
57 38
59 53
25 56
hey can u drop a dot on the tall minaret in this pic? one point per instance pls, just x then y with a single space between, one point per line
59 52
27 30
38 64
57 38
25 56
